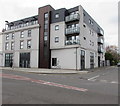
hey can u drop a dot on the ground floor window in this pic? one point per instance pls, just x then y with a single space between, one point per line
8 59
91 60
54 61
82 60
24 60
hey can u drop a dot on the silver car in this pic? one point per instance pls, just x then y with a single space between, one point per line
118 64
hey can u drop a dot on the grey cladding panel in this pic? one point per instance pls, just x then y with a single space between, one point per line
86 18
61 13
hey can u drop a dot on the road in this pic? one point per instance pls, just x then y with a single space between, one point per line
98 87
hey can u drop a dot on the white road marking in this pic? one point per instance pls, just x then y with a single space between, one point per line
115 82
93 78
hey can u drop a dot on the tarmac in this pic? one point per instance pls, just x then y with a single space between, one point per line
52 71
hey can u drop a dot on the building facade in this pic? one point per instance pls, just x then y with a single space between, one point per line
1 54
63 38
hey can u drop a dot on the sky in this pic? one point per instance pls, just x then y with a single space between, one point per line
104 12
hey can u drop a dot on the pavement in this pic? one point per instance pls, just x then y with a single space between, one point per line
52 71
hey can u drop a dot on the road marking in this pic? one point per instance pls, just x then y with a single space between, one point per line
105 81
114 82
10 76
93 78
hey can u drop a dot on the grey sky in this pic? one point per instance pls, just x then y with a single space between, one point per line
104 12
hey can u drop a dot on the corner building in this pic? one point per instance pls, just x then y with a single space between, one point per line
63 38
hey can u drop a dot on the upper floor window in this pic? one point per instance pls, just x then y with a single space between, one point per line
89 21
57 15
29 44
6 45
12 45
21 44
29 33
56 39
22 34
46 15
7 37
13 36
57 27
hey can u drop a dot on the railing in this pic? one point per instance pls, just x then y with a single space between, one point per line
73 30
100 40
100 49
101 33
72 42
72 17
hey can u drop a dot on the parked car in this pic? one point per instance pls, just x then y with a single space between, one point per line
118 64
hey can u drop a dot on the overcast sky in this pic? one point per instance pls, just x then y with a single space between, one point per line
104 12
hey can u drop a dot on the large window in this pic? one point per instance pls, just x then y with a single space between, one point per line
54 61
29 44
24 60
21 44
6 45
8 59
82 59
22 34
46 15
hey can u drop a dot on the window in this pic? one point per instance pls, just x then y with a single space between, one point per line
57 15
56 39
89 21
46 15
7 37
46 26
84 38
92 23
57 27
6 45
12 35
21 44
29 33
12 45
45 38
46 21
22 34
29 44
90 32
54 61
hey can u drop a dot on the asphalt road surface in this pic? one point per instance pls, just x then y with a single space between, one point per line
98 87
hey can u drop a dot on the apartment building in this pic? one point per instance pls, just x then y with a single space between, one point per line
62 38
1 54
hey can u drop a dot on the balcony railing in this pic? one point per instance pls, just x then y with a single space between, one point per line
72 42
72 17
101 33
100 49
73 30
100 40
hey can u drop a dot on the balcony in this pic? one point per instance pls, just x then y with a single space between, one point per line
100 49
72 17
100 32
72 42
100 40
72 31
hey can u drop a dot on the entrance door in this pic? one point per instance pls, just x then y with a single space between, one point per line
82 60
25 60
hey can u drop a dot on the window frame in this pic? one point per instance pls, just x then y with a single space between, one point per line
56 39
56 27
28 45
21 45
57 15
